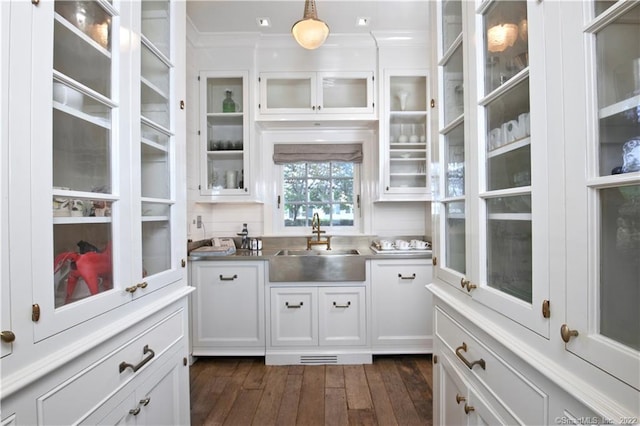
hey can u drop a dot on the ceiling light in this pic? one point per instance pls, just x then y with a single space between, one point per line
310 32
502 36
263 22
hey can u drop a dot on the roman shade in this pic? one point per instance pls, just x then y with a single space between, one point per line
316 153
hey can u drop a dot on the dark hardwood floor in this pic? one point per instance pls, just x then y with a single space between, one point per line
394 390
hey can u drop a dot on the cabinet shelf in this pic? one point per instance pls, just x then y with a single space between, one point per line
619 107
511 146
104 123
510 216
82 220
155 218
152 146
84 37
154 92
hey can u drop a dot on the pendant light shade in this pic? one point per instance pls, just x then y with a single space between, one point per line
310 32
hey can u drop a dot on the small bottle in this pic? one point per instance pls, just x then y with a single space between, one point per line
228 105
245 237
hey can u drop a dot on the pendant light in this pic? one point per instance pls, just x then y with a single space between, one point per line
310 32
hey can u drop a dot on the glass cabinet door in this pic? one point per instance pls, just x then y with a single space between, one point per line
288 93
77 140
345 93
407 134
507 184
224 134
157 147
452 226
604 204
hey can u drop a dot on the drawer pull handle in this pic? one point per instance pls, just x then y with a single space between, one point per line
460 398
293 306
145 350
480 362
131 289
468 408
143 284
337 305
7 336
223 278
135 411
145 402
402 277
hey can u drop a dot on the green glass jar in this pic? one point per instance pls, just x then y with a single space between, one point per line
228 105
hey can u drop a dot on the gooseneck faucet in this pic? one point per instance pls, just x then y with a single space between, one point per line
315 229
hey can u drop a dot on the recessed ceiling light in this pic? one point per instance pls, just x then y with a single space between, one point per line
362 21
263 22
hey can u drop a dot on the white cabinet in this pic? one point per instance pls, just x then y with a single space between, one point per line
603 187
225 141
497 137
317 324
405 136
401 309
534 250
94 218
323 95
227 307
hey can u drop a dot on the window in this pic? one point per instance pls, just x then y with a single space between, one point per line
326 188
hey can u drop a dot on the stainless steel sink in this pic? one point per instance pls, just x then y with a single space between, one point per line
317 265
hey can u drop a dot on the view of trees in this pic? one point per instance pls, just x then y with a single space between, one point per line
323 188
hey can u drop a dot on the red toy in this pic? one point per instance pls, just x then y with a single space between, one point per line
91 267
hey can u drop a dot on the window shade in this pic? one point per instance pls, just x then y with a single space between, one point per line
316 153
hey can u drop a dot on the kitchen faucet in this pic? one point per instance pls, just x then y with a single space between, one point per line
315 229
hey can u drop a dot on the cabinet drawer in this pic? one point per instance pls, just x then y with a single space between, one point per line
82 393
526 401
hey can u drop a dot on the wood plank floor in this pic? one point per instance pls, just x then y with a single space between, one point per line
394 390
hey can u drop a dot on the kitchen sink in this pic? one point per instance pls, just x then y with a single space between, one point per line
317 266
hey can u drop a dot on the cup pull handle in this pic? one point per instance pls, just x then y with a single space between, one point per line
479 362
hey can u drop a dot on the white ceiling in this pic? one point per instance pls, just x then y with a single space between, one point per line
222 16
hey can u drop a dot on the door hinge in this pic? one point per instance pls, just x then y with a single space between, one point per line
198 132
435 260
435 359
433 103
183 263
35 312
546 311
198 78
184 361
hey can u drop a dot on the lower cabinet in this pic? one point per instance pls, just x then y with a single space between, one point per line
138 376
317 325
401 306
227 308
477 381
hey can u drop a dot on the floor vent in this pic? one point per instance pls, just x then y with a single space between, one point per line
319 359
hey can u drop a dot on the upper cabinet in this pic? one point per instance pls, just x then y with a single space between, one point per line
319 95
405 136
485 131
224 136
603 186
104 179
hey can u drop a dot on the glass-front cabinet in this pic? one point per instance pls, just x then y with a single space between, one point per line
295 93
405 136
603 194
491 141
224 135
102 190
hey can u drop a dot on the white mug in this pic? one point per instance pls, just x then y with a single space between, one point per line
525 124
386 245
510 131
495 138
402 244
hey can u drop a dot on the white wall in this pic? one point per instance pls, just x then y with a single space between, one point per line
386 219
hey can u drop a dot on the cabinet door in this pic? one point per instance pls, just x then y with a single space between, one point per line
342 316
510 271
224 135
402 309
163 399
80 208
342 92
288 93
228 306
450 394
5 283
294 316
405 138
450 232
158 260
603 186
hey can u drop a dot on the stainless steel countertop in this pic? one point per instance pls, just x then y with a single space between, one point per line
242 254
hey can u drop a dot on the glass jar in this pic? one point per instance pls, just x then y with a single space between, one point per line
228 105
